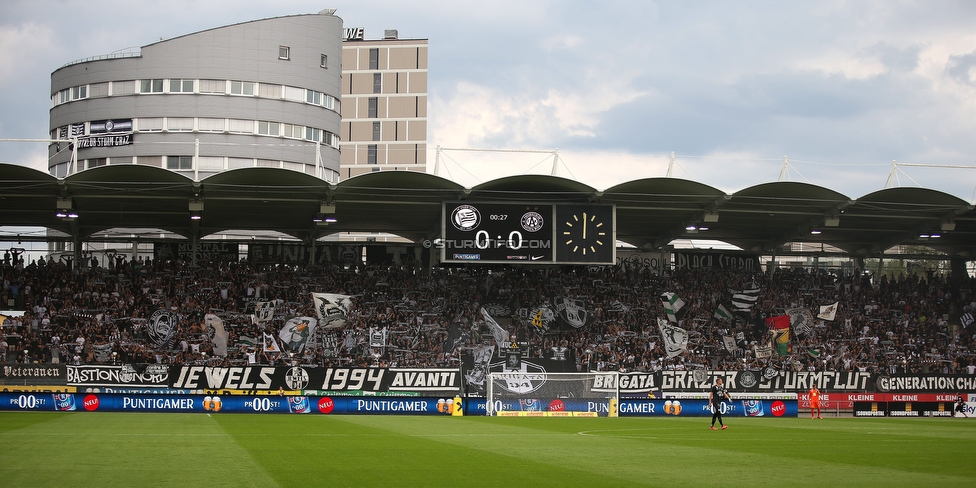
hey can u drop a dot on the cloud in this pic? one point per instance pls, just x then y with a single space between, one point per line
962 68
893 58
20 45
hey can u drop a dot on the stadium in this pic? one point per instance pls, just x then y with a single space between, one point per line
529 330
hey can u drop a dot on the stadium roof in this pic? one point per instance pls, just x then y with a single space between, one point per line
650 212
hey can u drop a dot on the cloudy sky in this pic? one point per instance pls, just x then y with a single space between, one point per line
840 88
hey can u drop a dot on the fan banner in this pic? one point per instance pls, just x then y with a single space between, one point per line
828 312
334 380
217 334
296 332
332 309
675 338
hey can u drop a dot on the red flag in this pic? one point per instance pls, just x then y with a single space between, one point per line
778 322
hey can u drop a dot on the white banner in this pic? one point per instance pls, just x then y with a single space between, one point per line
675 338
332 309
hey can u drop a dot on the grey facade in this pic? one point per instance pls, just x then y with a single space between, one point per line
264 93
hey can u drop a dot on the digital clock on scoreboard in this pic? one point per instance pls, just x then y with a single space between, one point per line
529 233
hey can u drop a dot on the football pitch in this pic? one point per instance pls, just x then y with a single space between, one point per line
143 449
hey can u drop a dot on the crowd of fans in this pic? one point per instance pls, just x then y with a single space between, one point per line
98 314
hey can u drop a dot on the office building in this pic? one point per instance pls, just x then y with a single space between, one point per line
264 93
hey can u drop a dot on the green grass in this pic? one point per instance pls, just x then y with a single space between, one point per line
141 449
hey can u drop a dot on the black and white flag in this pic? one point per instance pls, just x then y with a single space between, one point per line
730 343
966 319
263 311
801 321
572 312
161 327
828 312
675 338
332 309
377 337
743 301
500 334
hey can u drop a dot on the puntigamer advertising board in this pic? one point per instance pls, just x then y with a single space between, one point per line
92 402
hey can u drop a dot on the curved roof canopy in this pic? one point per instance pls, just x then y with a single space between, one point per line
650 212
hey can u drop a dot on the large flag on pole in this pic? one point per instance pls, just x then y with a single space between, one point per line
780 326
827 312
801 321
500 334
675 338
332 309
217 333
722 312
296 332
743 301
674 307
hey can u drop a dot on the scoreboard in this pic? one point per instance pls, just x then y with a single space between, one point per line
528 233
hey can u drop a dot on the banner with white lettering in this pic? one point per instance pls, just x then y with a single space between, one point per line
927 383
338 380
723 260
33 371
146 375
205 252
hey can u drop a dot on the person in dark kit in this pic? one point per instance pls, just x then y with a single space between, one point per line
715 398
961 405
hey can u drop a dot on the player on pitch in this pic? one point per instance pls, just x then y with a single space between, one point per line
715 399
815 402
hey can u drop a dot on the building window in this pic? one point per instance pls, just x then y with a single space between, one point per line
371 108
179 162
293 93
267 90
79 92
371 154
180 86
312 96
268 128
151 86
213 86
242 88
376 131
210 163
123 87
324 61
374 58
179 124
313 134
149 124
240 126
156 161
96 162
235 163
284 52
210 125
292 131
377 83
98 90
